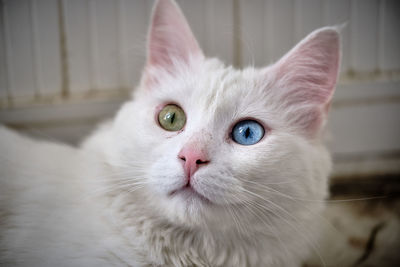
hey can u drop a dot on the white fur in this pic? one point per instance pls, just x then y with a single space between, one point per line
107 204
57 214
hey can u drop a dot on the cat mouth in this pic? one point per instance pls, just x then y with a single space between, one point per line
189 193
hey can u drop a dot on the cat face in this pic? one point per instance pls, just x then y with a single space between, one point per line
212 146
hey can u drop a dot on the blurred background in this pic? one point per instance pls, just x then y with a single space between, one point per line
66 65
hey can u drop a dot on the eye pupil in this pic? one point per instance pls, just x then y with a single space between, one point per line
172 118
247 132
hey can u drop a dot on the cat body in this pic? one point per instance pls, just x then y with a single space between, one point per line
136 194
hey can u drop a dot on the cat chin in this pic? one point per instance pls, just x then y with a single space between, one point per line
188 194
189 209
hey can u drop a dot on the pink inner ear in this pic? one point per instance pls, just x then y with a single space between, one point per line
306 77
170 37
310 70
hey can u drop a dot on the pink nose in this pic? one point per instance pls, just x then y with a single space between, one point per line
192 159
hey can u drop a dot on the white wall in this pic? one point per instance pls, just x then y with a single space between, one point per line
67 64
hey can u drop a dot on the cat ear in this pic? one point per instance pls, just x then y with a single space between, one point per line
170 40
306 77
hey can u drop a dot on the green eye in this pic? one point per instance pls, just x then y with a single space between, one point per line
172 118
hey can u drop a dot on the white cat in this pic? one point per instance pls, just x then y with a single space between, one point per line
206 166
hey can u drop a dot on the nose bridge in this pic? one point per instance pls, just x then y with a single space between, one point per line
199 140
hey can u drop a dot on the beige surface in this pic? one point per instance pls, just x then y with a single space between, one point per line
360 233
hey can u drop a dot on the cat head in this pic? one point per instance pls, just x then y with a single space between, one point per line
211 146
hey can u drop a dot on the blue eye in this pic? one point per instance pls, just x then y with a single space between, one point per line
247 132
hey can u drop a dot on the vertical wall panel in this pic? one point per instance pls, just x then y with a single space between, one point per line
308 17
364 35
215 40
76 14
132 29
3 59
281 19
219 31
390 37
253 31
104 43
46 38
93 45
338 13
19 47
195 14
